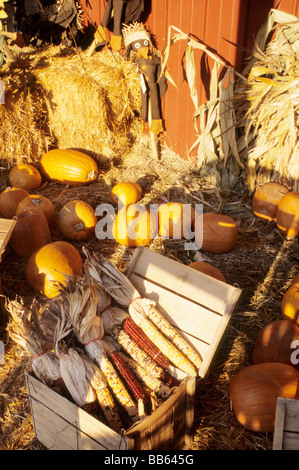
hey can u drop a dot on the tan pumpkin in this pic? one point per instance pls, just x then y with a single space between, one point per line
266 199
290 304
208 269
134 226
126 193
275 343
53 264
288 215
254 391
76 220
219 233
38 203
25 176
30 233
68 167
175 220
9 201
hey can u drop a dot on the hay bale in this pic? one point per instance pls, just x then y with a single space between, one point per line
63 99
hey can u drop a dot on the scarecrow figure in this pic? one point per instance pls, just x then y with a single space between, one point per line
153 85
117 13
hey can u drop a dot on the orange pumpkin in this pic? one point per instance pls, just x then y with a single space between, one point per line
38 203
77 220
126 193
290 304
25 176
275 343
288 215
266 199
53 264
68 167
296 279
254 391
30 233
134 226
219 233
9 201
208 269
175 220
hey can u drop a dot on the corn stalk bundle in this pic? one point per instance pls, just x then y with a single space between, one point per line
268 103
144 314
81 306
23 328
214 121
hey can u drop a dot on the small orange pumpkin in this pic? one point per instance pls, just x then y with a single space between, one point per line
254 391
290 304
30 233
126 193
134 226
76 220
266 199
25 176
219 233
275 343
288 215
9 201
52 264
208 269
68 167
38 203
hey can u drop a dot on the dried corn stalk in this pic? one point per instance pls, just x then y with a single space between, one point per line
268 104
214 121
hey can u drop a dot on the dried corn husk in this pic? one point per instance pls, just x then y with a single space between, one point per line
81 304
72 367
23 328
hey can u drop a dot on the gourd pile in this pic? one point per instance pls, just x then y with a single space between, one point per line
275 359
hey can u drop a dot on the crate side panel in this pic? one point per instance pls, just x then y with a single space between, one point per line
166 427
90 426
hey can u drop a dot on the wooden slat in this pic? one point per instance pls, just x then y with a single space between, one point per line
286 432
6 229
88 425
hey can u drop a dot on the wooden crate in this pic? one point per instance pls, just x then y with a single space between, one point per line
286 430
200 307
6 229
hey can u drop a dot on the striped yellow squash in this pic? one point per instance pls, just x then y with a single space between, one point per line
69 167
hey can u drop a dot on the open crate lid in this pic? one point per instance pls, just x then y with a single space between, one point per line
198 305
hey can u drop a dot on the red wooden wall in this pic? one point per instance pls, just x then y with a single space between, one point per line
219 24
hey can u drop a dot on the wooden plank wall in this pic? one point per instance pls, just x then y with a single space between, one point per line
216 23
